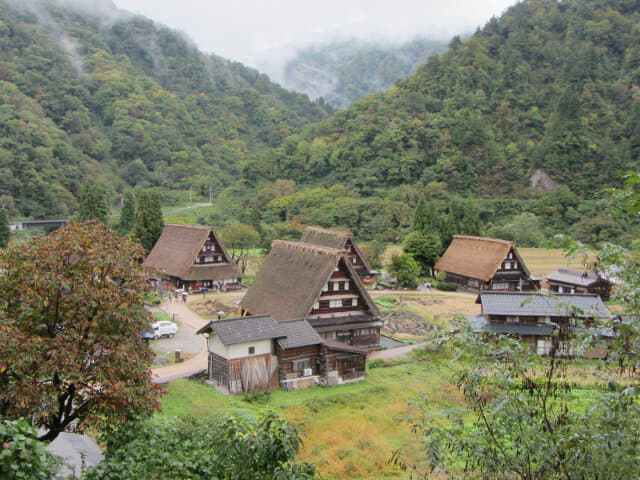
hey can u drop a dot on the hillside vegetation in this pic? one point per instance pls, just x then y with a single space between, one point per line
343 72
115 98
545 96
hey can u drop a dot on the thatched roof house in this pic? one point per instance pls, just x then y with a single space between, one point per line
192 256
478 263
341 241
299 280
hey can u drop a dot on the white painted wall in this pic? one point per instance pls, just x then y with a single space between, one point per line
239 350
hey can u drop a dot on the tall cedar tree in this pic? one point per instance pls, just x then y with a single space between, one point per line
127 214
4 228
423 218
149 223
71 314
93 204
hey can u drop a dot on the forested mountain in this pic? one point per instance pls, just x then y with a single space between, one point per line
544 97
114 98
343 72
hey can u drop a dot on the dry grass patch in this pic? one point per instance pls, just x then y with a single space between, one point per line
542 262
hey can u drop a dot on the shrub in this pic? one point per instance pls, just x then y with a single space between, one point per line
446 287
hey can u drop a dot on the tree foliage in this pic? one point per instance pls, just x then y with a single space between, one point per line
71 314
238 239
22 455
127 214
405 269
93 204
424 248
5 232
149 223
233 447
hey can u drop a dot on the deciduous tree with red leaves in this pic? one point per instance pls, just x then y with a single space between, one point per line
71 313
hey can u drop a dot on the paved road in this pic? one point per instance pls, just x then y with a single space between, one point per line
196 364
72 448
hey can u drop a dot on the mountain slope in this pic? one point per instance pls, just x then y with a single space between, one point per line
115 98
548 92
343 72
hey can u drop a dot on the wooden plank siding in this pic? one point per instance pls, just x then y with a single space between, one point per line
258 372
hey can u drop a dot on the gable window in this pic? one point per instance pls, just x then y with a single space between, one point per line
198 259
355 260
512 319
346 284
507 265
515 265
252 350
316 306
510 255
335 303
219 258
354 302
326 287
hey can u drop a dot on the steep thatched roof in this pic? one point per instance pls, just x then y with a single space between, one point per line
476 257
175 252
332 239
291 279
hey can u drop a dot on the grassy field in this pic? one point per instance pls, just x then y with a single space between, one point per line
545 261
352 430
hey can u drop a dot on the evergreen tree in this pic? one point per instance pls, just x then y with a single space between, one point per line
423 218
149 223
425 249
93 204
128 213
4 228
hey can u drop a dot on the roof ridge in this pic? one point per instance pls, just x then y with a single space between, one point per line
220 320
486 239
187 225
309 247
330 231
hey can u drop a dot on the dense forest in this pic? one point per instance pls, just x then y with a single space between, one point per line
119 100
343 72
526 122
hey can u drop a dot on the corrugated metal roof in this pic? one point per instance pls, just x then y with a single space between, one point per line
539 304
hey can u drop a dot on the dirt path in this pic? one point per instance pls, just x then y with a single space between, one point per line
397 352
189 367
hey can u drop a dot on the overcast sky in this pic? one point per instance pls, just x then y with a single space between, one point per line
253 30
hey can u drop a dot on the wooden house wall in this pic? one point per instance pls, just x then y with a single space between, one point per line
239 375
287 356
338 279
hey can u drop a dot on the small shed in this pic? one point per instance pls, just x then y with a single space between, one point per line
299 355
241 354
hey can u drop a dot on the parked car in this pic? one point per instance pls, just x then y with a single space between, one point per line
164 329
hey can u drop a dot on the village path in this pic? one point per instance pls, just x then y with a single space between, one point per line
197 363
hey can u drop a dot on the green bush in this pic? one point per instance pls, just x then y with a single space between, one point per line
446 287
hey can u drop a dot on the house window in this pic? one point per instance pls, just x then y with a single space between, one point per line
335 303
473 283
353 302
346 284
510 255
512 319
507 265
501 286
198 259
355 260
208 259
326 287
252 350
316 305
515 265
301 365
219 258
543 346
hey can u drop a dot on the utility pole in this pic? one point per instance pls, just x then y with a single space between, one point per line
189 194
210 189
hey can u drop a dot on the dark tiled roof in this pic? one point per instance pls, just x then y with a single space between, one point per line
298 334
232 331
539 304
291 278
573 277
476 257
177 248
